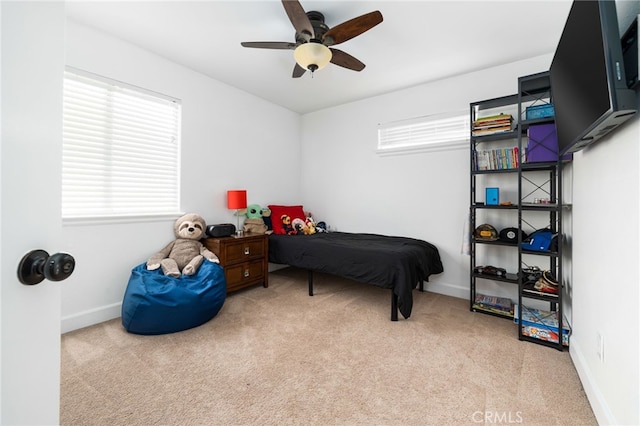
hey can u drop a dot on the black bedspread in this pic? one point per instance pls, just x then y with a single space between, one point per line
398 263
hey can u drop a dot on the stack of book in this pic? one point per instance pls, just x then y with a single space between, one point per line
496 159
490 125
541 324
494 304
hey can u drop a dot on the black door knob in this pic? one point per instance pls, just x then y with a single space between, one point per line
37 265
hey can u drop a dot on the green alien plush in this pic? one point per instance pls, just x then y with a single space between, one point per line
254 222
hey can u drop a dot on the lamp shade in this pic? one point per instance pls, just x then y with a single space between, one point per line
312 56
237 199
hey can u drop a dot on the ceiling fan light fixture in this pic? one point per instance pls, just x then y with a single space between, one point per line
312 56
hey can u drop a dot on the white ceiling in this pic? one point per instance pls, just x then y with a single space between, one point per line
418 42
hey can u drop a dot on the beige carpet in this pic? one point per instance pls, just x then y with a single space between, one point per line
277 356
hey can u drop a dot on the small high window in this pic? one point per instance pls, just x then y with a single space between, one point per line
433 132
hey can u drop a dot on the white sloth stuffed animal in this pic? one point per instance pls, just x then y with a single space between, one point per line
186 253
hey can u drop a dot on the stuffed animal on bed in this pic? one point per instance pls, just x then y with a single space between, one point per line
287 227
185 254
255 223
311 226
303 227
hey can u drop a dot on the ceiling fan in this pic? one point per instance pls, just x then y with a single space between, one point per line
312 48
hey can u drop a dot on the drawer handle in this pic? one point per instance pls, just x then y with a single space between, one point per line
246 273
246 251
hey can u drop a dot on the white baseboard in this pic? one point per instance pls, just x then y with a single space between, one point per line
601 410
91 317
453 290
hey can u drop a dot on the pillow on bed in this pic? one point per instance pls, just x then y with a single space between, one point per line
276 216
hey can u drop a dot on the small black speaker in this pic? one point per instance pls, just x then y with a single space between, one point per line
221 230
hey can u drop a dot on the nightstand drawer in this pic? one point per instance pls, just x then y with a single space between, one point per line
244 259
243 250
243 274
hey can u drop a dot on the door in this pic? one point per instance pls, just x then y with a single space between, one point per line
31 78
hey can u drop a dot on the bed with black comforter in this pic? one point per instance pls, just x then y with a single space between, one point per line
396 263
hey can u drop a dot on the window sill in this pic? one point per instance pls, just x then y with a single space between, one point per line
109 220
446 146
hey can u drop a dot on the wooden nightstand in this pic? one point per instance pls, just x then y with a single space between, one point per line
245 259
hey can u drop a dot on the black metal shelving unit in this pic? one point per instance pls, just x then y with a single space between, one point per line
477 206
545 177
532 179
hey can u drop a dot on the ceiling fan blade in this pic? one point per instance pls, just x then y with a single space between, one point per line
298 17
345 60
269 44
298 71
351 28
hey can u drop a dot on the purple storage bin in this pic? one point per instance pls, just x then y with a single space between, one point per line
543 144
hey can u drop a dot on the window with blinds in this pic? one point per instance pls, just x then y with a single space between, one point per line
434 132
121 150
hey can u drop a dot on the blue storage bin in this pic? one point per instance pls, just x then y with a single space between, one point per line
539 111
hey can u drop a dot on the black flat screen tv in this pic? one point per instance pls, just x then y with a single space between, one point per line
589 89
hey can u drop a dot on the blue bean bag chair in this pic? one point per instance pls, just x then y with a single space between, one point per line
158 304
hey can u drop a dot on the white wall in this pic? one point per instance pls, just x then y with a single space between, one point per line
230 140
606 250
605 273
422 195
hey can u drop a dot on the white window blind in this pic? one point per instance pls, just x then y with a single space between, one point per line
440 131
121 150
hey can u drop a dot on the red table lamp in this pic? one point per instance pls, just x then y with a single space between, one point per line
237 200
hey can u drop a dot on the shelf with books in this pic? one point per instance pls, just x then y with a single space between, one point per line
495 305
494 159
492 125
477 308
506 158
